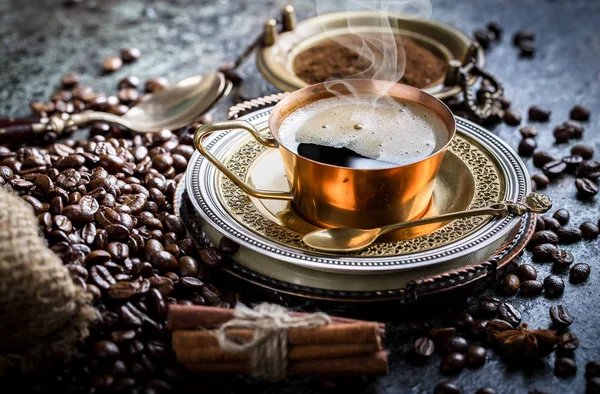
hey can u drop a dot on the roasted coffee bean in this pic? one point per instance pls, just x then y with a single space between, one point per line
97 257
543 237
62 223
527 272
563 216
509 314
580 113
512 117
567 344
531 288
521 35
112 64
129 82
191 284
489 305
572 162
592 386
554 168
510 284
554 286
538 113
163 261
163 284
122 336
569 234
527 146
69 81
527 48
228 246
117 232
487 390
592 369
119 251
211 256
498 325
551 223
106 349
585 188
423 347
539 223
101 277
446 388
589 230
541 180
475 356
564 367
123 290
589 169
456 344
452 364
541 158
188 266
562 259
528 131
561 317
586 152
579 273
155 302
461 320
484 37
155 85
130 54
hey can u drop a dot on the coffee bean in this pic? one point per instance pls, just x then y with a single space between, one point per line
123 290
530 288
130 54
212 256
541 180
446 388
61 222
527 48
510 284
554 286
97 257
554 168
117 232
562 215
551 223
461 320
156 304
489 305
188 266
527 272
487 390
119 251
562 259
155 85
191 284
127 95
452 364
561 317
475 356
580 113
589 169
543 237
456 344
112 64
592 386
498 325
527 146
539 223
128 82
69 81
523 35
483 37
585 188
538 113
541 158
572 162
163 261
106 349
589 230
569 234
101 277
586 152
512 117
509 314
592 369
528 131
228 246
423 347
579 273
564 367
567 344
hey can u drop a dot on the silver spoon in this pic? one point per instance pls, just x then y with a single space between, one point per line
344 239
179 105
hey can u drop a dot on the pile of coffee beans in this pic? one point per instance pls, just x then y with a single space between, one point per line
105 207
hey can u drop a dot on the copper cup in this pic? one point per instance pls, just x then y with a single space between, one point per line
333 196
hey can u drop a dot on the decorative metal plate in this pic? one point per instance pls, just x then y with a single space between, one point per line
202 182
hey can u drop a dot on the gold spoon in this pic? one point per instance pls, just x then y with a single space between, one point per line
344 239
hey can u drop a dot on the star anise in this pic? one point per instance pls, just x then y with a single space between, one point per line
527 343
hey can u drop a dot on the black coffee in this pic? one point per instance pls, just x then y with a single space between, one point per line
342 157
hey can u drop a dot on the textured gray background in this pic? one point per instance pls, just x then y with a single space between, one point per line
42 40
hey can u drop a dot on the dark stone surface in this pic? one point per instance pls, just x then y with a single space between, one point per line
42 40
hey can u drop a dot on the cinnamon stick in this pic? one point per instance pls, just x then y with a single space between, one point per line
351 333
184 317
215 354
375 365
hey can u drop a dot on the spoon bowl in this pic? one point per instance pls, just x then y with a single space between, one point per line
341 239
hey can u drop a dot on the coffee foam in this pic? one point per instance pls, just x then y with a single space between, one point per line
395 131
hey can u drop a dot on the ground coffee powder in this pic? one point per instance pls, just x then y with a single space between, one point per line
332 59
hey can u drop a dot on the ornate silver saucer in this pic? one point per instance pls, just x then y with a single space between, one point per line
479 170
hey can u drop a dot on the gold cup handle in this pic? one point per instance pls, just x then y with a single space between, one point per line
208 129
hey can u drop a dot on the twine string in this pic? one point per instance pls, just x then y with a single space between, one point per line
268 347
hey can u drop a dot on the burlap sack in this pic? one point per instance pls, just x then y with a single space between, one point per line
42 313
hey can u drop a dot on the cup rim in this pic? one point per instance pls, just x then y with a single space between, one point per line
362 83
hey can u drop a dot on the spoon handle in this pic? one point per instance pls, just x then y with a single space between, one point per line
534 203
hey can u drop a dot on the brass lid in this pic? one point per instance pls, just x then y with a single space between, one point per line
276 54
